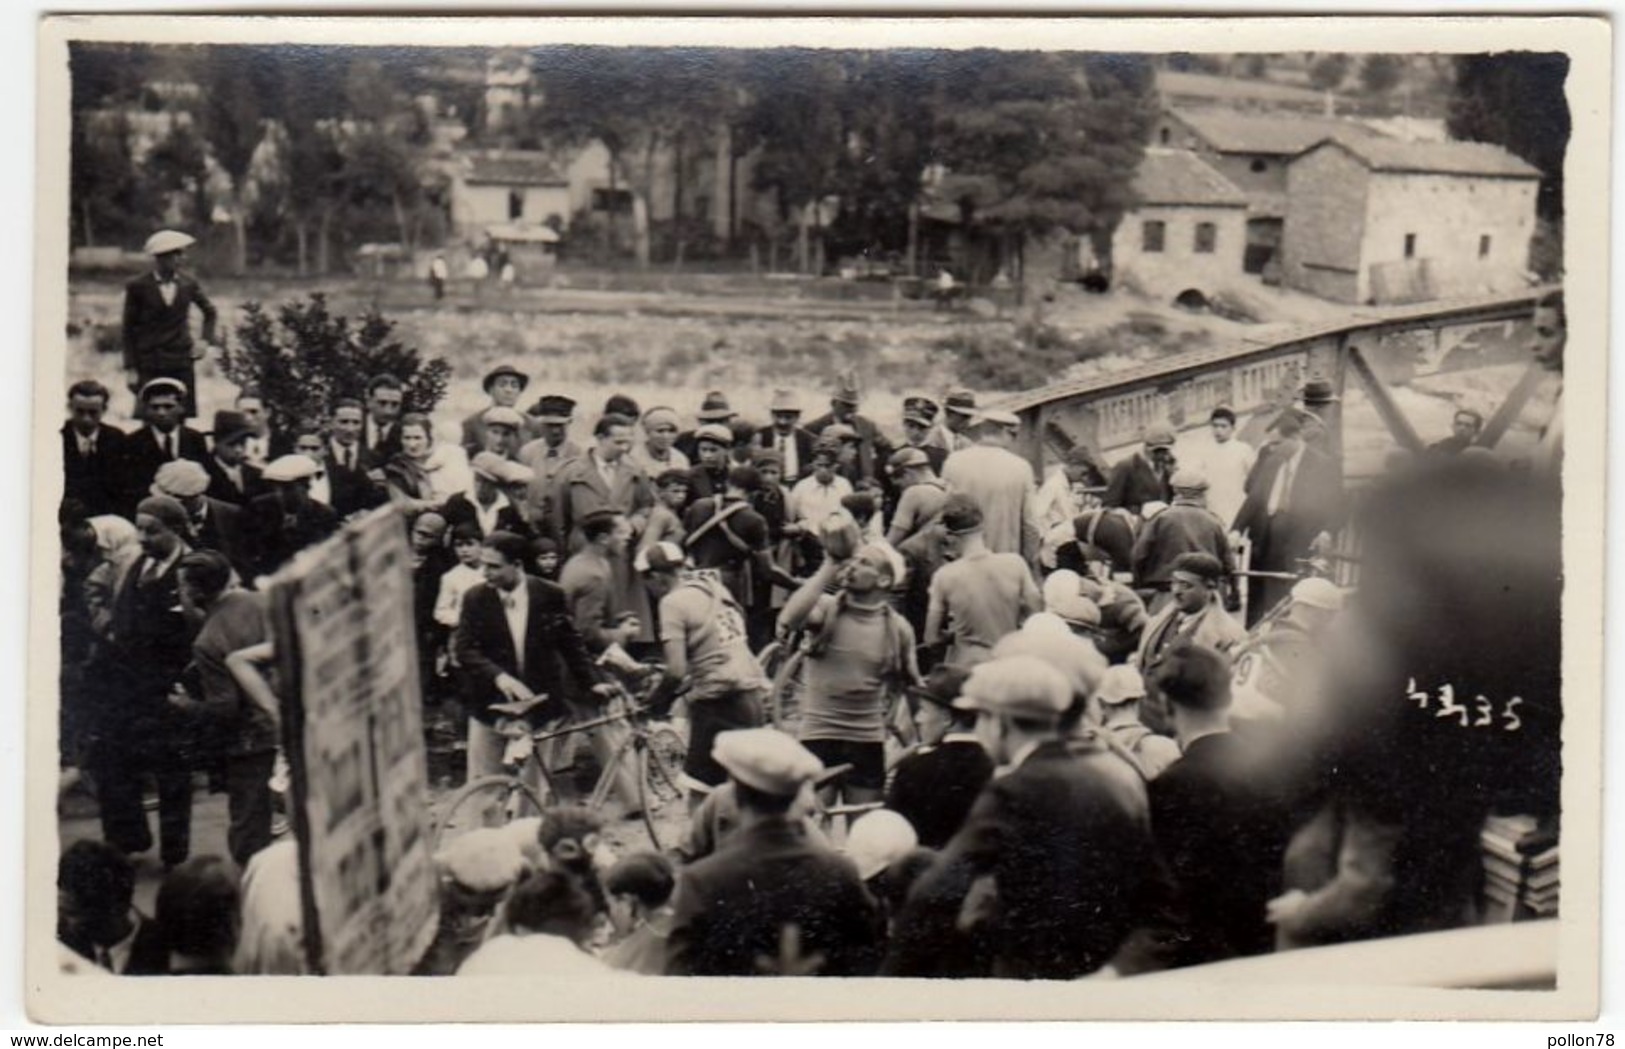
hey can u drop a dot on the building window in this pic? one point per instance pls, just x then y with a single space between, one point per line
1484 246
1410 245
1207 238
516 205
1259 165
1166 136
1152 233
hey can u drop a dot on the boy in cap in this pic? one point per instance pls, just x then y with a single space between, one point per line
815 497
1186 527
713 443
935 786
1143 477
162 437
460 578
1054 866
979 596
786 436
714 411
770 902
211 524
706 648
156 321
1000 483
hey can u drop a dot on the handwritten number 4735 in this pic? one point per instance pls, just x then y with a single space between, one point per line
1485 707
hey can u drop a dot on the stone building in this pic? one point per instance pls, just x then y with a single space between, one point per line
1188 232
1380 220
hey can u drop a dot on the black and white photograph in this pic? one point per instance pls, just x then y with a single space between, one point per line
1036 521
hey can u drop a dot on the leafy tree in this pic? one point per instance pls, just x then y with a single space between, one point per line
178 164
1380 74
1516 100
1328 71
239 85
305 357
109 201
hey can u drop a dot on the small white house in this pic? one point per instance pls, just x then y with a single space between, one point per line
508 187
1188 233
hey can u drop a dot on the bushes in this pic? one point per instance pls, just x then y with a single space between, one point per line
1031 355
307 357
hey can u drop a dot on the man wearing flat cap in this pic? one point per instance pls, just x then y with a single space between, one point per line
714 411
285 519
488 507
548 454
920 429
1144 476
211 523
1000 483
1054 866
503 384
162 437
935 786
157 314
232 478
922 493
787 436
1195 615
1186 527
769 902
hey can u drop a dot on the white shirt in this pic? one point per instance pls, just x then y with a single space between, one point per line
166 287
258 448
347 456
448 607
321 488
1055 504
534 955
173 448
487 517
1281 490
812 502
786 445
1227 466
516 605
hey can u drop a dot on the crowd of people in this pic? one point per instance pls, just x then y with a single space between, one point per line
1024 683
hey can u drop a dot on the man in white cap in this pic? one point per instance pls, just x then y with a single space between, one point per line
488 507
1000 483
1119 697
1186 527
162 437
769 902
212 523
157 313
503 432
285 520
787 436
1053 868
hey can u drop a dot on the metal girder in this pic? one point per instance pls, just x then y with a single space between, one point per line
1510 408
1392 416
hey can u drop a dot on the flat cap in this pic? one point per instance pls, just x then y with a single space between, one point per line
1021 686
162 385
1121 684
291 468
166 510
767 760
497 415
181 479
1206 567
907 458
1160 437
960 514
484 859
658 416
487 465
839 432
716 433
167 240
553 408
1188 479
879 839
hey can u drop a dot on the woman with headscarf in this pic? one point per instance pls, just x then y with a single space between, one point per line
657 452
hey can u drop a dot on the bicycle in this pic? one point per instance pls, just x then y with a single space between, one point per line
654 747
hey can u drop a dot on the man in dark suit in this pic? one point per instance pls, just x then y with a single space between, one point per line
157 315
1295 493
787 436
515 643
347 461
489 509
770 902
232 478
1055 865
1218 826
873 448
1187 526
285 519
1144 476
381 433
935 787
91 452
212 524
161 439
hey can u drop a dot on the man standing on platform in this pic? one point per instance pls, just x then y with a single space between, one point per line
157 315
1227 464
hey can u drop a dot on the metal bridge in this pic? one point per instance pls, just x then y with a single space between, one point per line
1441 354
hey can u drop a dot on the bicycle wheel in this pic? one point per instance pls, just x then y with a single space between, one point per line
660 766
489 801
789 684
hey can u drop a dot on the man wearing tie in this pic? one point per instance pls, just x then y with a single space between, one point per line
1294 494
157 313
91 450
386 399
232 478
787 436
163 438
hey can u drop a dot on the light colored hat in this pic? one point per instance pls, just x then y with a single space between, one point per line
181 479
1121 684
1160 437
908 458
716 433
846 389
497 415
784 401
487 465
1022 686
1045 623
1061 583
485 859
1316 593
291 468
660 415
996 417
1188 479
1076 609
167 240
1075 658
515 473
878 839
766 759
660 557
160 385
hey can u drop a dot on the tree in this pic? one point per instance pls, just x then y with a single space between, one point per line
239 84
306 357
1516 100
179 165
1380 74
1329 70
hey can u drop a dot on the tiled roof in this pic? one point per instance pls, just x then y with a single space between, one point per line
1178 176
1286 134
1208 85
514 168
1438 158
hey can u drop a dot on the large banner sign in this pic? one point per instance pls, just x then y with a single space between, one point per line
352 730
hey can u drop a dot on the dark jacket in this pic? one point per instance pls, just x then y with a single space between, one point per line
1183 528
935 788
459 509
1313 505
768 438
353 490
222 532
1135 482
873 448
1064 843
156 333
276 526
1107 534
148 955
222 488
143 457
484 646
736 908
1221 834
150 646
95 480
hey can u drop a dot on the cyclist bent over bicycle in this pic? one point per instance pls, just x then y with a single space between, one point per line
702 630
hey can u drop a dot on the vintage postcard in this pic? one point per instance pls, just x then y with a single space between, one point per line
974 518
